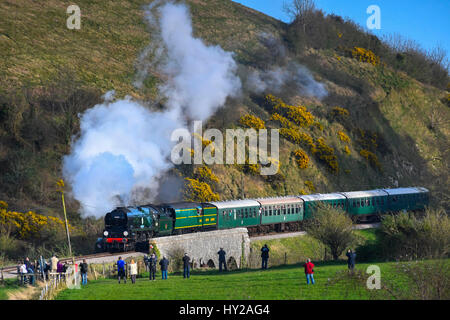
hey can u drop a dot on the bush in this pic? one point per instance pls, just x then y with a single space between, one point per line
408 236
252 122
332 227
326 154
198 191
371 157
365 55
301 158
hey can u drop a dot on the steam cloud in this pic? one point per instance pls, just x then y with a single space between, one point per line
293 75
123 147
289 75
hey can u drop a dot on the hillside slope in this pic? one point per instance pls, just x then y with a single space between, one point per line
49 74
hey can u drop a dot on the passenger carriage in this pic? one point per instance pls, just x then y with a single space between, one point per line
335 200
281 213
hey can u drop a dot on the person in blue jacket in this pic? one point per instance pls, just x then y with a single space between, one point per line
121 270
351 259
222 260
164 263
264 256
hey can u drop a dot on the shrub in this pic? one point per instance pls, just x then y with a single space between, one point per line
299 138
252 122
282 120
347 150
310 185
326 154
301 158
407 236
343 137
339 114
197 191
298 114
371 157
365 55
204 174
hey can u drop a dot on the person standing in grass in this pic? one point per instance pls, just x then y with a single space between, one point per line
133 271
186 260
84 271
309 271
164 263
351 259
264 256
152 266
121 270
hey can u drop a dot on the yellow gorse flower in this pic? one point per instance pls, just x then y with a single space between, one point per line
27 224
252 122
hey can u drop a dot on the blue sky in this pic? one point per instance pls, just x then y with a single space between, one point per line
425 21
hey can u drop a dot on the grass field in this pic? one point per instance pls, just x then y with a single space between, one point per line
9 286
277 283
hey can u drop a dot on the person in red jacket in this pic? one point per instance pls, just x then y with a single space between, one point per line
309 271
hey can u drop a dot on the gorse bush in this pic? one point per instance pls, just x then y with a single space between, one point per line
371 158
197 191
205 174
252 122
301 158
365 55
343 137
28 225
326 154
297 114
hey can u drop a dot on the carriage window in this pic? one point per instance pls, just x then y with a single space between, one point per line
368 203
358 204
354 204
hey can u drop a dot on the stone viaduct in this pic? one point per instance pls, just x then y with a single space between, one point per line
202 247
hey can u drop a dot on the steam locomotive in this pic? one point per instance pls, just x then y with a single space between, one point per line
127 227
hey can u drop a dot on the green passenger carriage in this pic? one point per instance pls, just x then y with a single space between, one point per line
336 200
365 203
284 212
407 198
237 213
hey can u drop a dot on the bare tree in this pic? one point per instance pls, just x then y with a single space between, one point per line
300 10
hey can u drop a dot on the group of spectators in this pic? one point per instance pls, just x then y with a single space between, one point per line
28 269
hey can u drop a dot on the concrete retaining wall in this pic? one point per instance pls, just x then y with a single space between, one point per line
203 246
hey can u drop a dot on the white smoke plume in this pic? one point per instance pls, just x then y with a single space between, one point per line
293 76
124 147
285 73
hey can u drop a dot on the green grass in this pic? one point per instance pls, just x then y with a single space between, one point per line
278 283
8 286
